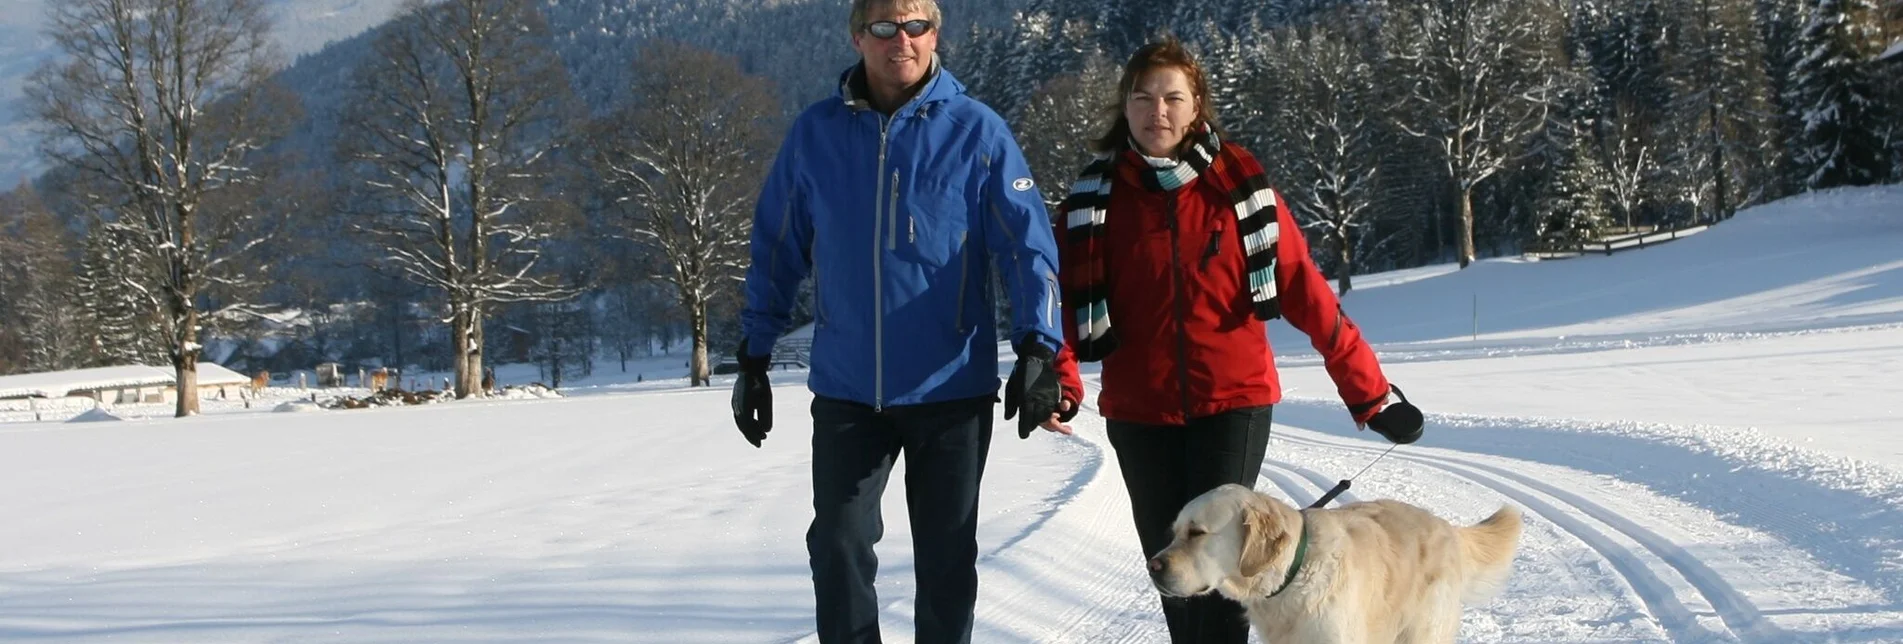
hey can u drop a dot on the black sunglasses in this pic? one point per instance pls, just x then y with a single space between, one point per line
886 29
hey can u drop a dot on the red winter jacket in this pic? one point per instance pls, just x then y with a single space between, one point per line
1188 343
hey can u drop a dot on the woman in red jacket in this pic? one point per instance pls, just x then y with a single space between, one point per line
1173 234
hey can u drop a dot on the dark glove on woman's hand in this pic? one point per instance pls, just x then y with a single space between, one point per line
1032 392
1400 422
752 396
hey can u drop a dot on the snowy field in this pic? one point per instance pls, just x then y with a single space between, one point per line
1707 438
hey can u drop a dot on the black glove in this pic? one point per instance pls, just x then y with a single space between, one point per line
752 396
1399 422
1069 413
1032 392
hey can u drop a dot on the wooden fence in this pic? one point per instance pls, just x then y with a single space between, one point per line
1610 245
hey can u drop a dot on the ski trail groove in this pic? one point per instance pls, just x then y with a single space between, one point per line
1321 482
1297 492
1739 615
1108 595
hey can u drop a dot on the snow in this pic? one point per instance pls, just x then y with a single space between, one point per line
1895 50
297 406
1696 431
96 415
59 383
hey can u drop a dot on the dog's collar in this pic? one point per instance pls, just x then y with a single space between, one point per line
1301 555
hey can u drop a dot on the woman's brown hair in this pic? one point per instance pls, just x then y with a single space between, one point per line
1165 53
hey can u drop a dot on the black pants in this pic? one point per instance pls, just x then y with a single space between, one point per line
854 449
1164 466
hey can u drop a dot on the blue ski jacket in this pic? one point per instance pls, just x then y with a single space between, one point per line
901 220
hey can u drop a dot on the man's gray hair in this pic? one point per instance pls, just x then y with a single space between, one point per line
862 7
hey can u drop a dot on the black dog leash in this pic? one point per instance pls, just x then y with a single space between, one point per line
1400 423
1343 485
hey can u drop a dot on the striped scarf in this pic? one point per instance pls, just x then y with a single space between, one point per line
1086 209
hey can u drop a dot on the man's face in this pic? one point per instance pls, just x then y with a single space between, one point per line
901 60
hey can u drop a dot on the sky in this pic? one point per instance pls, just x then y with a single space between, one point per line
1701 435
303 26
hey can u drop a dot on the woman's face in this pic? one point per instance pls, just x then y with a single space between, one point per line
1160 109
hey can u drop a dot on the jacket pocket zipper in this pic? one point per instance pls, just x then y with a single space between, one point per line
892 232
819 304
1215 245
964 275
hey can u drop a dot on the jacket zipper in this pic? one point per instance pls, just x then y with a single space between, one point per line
964 275
878 271
1182 304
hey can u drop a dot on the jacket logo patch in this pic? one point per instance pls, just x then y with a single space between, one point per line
1022 185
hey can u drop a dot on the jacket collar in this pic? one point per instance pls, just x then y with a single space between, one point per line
939 87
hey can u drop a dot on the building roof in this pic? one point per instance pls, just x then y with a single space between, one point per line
56 384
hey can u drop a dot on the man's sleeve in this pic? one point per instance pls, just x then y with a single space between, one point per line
1020 241
781 252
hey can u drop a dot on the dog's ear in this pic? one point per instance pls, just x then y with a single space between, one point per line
1262 537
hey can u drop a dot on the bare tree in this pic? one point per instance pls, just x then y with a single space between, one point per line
683 163
1477 89
452 129
163 105
1322 87
1632 166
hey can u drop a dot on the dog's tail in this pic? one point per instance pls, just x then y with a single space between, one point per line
1486 550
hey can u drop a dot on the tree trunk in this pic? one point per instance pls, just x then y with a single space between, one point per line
1466 227
1721 206
468 373
186 365
185 359
1344 278
469 382
555 361
698 372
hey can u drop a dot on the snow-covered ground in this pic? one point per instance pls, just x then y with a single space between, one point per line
1705 437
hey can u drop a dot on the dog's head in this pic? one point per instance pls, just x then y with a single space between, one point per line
1228 535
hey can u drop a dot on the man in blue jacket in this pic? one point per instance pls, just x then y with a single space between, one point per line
899 196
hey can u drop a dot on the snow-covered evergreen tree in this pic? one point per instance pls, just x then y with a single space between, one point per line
1837 101
1720 127
118 304
1061 120
1574 206
40 329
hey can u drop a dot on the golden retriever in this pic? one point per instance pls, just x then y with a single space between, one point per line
1370 573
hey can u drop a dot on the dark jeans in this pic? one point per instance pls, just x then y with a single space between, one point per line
1164 467
854 448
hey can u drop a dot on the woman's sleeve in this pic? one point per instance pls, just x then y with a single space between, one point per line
1311 306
